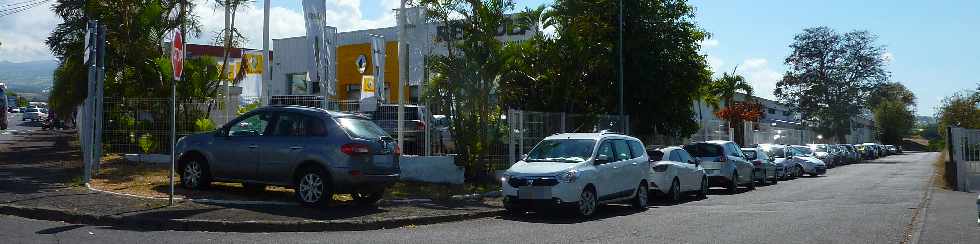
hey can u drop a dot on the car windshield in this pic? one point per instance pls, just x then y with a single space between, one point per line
704 150
776 152
802 151
749 154
361 128
562 150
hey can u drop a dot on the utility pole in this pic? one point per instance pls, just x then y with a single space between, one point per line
402 72
266 55
622 113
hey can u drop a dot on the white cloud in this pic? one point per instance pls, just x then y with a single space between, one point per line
346 15
888 57
761 76
23 34
710 43
715 63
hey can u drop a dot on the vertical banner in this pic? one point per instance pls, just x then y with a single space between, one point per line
368 100
313 11
329 65
378 65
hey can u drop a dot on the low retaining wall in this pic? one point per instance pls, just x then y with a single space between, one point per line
432 169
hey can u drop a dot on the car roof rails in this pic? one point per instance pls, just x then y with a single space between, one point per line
609 132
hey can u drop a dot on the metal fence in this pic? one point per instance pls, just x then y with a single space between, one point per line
142 125
527 128
964 149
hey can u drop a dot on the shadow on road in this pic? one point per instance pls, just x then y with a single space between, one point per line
568 216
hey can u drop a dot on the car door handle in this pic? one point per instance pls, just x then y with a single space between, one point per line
253 146
296 148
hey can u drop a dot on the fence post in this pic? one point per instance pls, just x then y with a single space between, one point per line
511 136
520 131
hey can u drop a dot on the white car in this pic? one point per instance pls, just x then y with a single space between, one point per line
578 170
766 171
809 163
675 172
34 114
825 153
724 163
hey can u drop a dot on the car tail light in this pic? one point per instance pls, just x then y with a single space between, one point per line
354 148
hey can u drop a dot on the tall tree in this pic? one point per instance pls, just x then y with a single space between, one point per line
830 76
723 91
891 91
463 83
577 67
894 121
135 30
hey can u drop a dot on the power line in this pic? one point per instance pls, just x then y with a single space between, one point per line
22 8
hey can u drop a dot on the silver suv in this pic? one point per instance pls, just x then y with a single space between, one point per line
316 152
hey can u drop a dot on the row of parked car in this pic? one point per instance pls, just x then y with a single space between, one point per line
580 171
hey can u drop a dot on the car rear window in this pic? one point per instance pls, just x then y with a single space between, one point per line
750 155
361 128
704 150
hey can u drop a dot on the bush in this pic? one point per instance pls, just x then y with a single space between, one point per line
203 124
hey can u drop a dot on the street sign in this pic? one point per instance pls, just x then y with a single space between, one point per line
177 55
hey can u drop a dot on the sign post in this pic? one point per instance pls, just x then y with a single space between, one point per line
177 61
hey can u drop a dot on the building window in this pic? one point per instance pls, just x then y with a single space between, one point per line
297 84
772 111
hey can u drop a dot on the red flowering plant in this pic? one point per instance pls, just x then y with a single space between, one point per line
741 111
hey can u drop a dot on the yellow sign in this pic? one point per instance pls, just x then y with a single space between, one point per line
232 70
367 84
254 63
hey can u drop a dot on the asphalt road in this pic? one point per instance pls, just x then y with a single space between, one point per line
15 125
872 202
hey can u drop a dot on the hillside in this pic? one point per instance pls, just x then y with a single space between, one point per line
28 77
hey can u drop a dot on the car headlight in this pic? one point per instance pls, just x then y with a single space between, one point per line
568 176
504 178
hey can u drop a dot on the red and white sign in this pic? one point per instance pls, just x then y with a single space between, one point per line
177 55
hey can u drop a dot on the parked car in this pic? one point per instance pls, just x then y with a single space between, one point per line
413 128
766 171
675 172
579 171
809 163
316 152
872 150
15 110
724 163
791 167
892 150
825 153
34 114
853 155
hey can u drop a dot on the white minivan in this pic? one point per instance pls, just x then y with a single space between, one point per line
578 170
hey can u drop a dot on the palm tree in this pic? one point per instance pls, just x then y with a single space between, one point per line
723 91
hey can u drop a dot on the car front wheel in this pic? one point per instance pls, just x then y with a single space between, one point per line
733 183
195 175
703 193
587 203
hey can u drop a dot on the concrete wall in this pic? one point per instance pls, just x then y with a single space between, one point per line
432 169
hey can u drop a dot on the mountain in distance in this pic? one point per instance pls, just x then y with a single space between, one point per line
28 77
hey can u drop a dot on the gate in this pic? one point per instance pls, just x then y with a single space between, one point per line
964 148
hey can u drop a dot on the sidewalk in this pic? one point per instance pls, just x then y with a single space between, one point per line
951 217
39 179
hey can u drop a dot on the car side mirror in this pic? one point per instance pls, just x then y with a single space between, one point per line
524 156
695 162
601 159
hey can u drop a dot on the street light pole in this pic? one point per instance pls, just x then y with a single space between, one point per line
622 120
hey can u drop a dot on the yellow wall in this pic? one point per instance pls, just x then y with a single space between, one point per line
347 73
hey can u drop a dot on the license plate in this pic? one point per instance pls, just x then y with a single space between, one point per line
534 192
382 160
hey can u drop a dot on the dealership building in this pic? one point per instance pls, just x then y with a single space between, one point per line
353 58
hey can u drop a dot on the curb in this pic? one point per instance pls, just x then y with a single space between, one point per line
143 223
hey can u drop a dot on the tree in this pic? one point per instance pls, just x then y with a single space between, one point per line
135 30
891 91
894 121
576 69
830 76
724 90
463 82
961 109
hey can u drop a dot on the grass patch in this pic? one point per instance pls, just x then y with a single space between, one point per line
943 179
436 191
